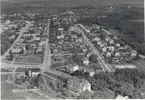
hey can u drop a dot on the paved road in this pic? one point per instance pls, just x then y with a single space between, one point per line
47 54
105 66
21 33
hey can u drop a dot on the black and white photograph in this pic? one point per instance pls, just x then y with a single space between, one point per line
72 49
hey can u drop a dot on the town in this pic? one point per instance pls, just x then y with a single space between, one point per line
57 56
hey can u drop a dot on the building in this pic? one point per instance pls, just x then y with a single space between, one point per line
78 85
16 51
108 54
85 61
133 53
33 73
121 97
12 37
91 72
72 67
117 54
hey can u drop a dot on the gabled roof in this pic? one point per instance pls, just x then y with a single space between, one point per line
78 83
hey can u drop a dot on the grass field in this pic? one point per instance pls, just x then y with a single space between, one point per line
30 59
4 78
6 92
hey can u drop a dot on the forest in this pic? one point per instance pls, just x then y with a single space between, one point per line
122 19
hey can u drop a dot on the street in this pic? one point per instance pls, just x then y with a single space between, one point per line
105 66
21 33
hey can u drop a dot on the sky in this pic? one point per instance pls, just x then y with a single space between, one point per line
83 1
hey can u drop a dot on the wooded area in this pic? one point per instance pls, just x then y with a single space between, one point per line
125 82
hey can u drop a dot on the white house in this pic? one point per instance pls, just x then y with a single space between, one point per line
111 42
118 45
108 54
104 49
85 61
78 85
107 39
133 53
111 48
96 39
72 67
117 54
7 22
122 97
91 72
12 37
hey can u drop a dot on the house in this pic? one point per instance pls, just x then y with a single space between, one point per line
117 54
34 73
88 54
133 53
21 40
91 72
85 61
42 43
104 49
55 51
72 67
111 48
60 36
37 37
101 44
122 97
12 37
96 39
60 29
111 42
7 22
80 39
78 85
115 60
39 50
107 39
118 45
16 50
108 54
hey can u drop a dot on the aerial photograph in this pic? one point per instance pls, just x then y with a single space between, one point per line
72 49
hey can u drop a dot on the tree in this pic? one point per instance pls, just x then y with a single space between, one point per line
27 72
93 58
86 75
77 59
11 55
27 46
3 49
22 51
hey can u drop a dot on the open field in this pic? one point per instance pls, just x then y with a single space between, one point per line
6 92
30 59
4 78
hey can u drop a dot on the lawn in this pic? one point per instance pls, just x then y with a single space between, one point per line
4 78
6 92
31 59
